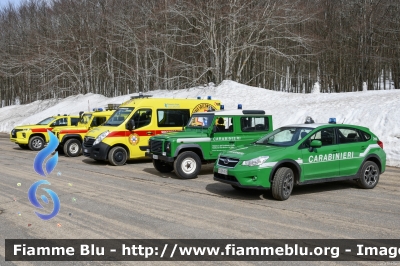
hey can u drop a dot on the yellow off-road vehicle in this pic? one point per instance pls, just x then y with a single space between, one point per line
35 136
71 138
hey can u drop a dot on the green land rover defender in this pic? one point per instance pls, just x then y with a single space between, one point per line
204 137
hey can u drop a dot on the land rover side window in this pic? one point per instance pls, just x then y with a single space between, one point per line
349 135
97 121
172 118
326 136
74 121
223 124
254 124
203 120
119 116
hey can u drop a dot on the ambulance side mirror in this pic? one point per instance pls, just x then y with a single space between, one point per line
130 125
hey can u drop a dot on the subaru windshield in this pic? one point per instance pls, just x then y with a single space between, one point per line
202 120
119 116
46 121
284 136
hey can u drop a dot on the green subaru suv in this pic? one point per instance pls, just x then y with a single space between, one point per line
304 154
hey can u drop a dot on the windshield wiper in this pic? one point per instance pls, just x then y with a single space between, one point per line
272 144
258 143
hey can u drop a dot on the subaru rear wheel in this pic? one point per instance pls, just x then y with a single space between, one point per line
369 175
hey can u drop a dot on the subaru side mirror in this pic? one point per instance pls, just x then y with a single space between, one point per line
315 144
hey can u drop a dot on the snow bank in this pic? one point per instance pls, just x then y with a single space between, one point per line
377 110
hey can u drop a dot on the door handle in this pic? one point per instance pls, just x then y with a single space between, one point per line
231 142
363 148
149 133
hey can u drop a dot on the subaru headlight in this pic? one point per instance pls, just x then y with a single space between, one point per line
216 162
101 137
256 161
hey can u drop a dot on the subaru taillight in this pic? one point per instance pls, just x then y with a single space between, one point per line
380 143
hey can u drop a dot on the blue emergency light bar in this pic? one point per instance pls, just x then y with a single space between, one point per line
239 106
332 120
222 107
97 109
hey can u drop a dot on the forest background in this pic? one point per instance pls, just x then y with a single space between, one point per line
58 48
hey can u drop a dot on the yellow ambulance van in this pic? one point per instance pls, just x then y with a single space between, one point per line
125 135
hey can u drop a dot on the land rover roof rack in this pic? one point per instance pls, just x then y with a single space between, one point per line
254 112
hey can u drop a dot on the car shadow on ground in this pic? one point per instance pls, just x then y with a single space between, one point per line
226 190
100 162
154 172
138 161
94 162
206 169
17 148
324 187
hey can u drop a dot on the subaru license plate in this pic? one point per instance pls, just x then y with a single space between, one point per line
223 171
